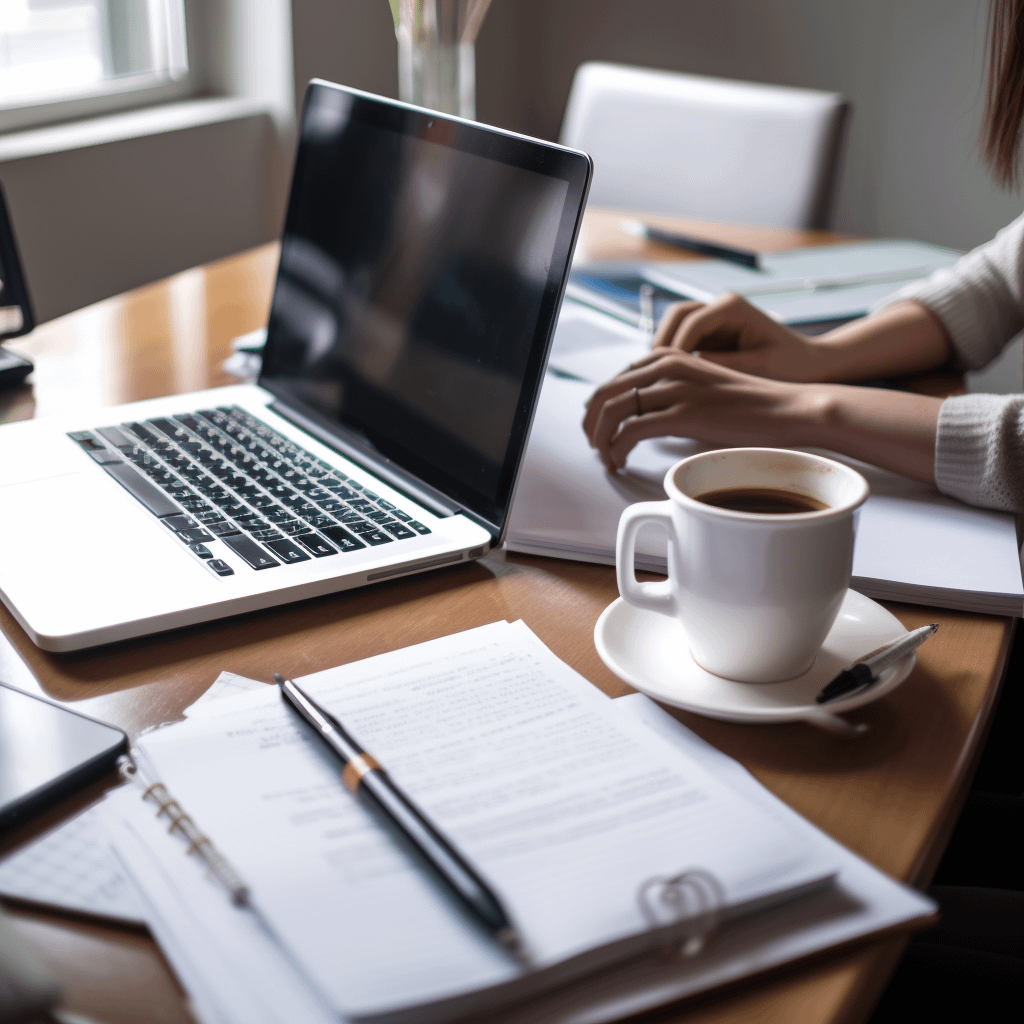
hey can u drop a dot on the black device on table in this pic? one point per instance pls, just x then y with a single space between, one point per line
48 752
16 316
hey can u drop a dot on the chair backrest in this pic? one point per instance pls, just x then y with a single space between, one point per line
708 148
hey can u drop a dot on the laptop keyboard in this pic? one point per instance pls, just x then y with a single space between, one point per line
222 474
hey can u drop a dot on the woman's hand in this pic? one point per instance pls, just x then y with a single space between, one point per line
733 333
898 341
674 393
671 393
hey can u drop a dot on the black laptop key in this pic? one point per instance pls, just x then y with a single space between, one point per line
379 517
398 530
179 522
287 551
223 529
168 427
381 503
139 487
349 517
404 516
265 535
315 543
220 567
250 551
344 540
343 491
375 537
201 550
196 536
317 519
296 526
117 437
418 527
362 526
104 456
332 505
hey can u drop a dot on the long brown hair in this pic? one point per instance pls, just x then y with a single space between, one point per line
1004 99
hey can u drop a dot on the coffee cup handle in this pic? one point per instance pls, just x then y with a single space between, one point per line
655 597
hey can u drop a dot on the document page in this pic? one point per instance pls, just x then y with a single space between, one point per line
563 806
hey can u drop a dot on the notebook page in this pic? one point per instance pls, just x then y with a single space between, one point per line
562 806
909 535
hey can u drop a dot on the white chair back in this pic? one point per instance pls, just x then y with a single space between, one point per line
707 148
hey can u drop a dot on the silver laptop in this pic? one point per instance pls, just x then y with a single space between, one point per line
422 267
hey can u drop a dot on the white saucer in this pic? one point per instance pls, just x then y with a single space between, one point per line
649 651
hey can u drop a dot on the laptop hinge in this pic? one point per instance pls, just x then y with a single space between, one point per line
393 475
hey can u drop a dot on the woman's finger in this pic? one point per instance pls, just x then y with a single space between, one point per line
670 321
660 423
637 403
710 326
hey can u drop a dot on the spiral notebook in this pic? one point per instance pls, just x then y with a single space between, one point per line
606 839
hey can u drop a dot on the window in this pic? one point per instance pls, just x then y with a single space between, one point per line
61 59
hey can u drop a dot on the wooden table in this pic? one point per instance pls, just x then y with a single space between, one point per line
892 795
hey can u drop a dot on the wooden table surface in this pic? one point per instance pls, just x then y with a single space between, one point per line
891 795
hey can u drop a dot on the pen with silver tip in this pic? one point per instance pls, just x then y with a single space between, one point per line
364 776
864 672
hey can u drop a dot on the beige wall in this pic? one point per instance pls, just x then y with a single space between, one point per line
913 69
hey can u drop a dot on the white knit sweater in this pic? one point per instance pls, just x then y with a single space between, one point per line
979 451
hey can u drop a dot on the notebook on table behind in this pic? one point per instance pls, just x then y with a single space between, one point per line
422 267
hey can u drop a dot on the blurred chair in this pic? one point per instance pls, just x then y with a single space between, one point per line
709 148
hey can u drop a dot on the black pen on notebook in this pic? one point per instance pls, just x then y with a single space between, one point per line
363 776
744 257
866 671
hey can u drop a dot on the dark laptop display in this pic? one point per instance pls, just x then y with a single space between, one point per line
421 262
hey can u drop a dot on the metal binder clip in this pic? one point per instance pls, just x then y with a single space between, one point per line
689 902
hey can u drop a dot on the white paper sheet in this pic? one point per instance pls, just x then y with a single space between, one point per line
563 806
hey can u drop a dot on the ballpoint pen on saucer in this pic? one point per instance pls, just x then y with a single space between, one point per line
866 670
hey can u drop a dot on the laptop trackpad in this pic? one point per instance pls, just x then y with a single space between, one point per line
76 542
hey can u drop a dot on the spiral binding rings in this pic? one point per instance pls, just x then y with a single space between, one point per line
692 900
180 822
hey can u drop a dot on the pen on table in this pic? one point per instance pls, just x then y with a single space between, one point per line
866 671
744 257
364 776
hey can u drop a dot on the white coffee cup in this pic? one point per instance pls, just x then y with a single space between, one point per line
756 593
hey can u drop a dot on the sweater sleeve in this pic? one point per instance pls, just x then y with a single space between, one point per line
980 299
979 450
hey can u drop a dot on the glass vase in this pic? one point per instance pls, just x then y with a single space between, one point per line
436 52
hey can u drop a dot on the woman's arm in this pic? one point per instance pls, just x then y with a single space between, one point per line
673 393
903 339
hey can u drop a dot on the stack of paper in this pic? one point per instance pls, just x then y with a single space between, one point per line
571 805
825 282
913 543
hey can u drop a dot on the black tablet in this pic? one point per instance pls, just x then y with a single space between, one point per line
47 752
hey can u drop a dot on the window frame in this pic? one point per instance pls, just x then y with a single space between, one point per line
114 95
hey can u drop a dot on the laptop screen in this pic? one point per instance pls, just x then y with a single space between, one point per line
422 265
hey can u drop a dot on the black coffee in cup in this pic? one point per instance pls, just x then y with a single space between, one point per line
772 501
